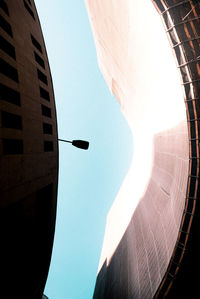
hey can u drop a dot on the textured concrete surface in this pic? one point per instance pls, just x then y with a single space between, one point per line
28 180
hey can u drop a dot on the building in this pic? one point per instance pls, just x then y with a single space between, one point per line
152 236
28 153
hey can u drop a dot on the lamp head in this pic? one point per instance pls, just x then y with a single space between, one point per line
81 144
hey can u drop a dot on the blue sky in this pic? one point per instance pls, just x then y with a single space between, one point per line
88 180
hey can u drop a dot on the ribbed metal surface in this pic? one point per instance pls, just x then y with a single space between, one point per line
158 253
141 259
182 24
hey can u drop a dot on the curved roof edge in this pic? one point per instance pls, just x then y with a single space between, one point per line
182 20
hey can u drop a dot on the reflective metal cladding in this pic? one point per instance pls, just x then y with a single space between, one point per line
151 243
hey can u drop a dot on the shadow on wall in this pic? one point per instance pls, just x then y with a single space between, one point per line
27 230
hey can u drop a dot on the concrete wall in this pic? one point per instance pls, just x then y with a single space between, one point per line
28 176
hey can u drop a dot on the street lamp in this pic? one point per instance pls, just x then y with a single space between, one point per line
78 143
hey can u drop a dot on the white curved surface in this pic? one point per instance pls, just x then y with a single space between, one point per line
137 63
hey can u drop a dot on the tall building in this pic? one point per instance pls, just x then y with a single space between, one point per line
28 153
152 237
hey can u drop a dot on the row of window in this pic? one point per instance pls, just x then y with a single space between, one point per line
4 6
8 70
29 1
46 111
7 47
36 44
16 147
44 94
5 26
14 121
12 96
5 68
29 9
42 77
9 95
11 72
39 60
10 120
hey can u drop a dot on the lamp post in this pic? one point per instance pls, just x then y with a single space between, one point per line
78 143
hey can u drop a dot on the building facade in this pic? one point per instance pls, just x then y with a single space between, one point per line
28 152
150 248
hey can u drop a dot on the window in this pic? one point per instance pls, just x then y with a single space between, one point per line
7 47
29 10
12 146
39 60
44 94
10 120
46 111
5 26
4 6
48 146
42 77
47 129
9 95
36 43
8 70
193 147
193 132
190 109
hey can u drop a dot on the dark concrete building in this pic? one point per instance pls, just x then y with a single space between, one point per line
28 153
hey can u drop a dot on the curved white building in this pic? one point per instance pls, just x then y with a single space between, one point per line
147 245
